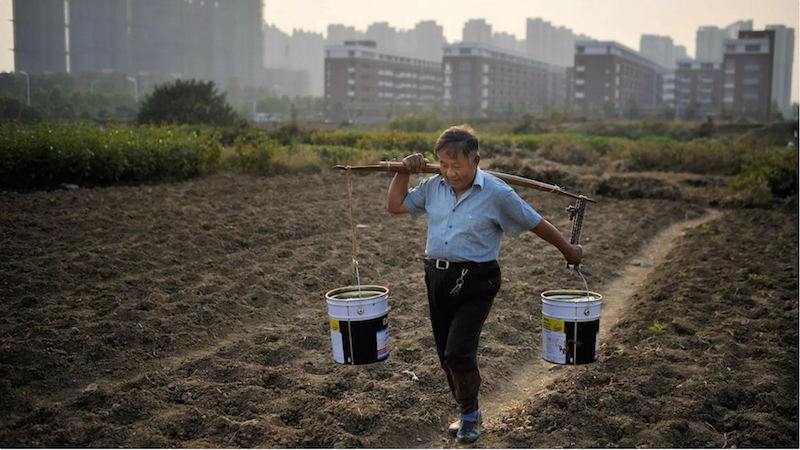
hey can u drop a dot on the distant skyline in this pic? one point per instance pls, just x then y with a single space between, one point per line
623 21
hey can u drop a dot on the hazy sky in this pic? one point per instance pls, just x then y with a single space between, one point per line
623 21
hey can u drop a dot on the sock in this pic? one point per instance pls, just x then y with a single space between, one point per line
471 417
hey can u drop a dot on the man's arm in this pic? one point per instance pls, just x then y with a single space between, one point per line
545 230
397 193
398 190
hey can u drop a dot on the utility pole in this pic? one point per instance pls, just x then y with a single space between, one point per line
135 87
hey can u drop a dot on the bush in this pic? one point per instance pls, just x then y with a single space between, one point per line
769 172
189 102
567 150
428 123
51 154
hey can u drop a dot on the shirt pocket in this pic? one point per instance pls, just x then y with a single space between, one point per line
480 226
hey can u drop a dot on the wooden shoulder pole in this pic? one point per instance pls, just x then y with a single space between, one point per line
513 180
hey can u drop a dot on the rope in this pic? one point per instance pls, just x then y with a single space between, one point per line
576 213
355 261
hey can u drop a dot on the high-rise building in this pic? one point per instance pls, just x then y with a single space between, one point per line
98 35
548 43
710 39
679 52
658 49
428 40
39 36
338 34
277 48
477 31
748 74
782 67
208 40
383 35
307 53
367 84
505 41
610 76
482 78
698 85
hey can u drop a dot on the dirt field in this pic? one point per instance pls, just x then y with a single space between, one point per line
193 315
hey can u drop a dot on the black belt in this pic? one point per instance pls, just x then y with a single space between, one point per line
443 264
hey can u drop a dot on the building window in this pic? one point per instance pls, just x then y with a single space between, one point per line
730 48
707 66
752 48
751 80
685 65
750 94
752 64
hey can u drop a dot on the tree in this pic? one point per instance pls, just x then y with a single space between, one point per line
186 102
725 112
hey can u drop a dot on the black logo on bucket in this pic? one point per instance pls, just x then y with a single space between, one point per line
370 340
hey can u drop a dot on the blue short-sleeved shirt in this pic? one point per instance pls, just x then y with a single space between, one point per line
470 229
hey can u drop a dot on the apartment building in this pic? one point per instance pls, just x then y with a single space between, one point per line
98 35
609 76
699 86
550 44
783 61
368 84
659 49
748 74
481 80
679 52
668 89
710 39
478 31
39 36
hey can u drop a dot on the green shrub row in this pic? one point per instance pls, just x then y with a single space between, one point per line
49 154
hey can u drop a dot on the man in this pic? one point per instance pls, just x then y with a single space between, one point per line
468 212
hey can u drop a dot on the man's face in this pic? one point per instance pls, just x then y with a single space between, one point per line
457 170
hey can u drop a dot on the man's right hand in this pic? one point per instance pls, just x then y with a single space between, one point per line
415 163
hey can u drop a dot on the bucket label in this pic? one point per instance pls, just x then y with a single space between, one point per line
554 346
335 325
556 326
337 343
382 338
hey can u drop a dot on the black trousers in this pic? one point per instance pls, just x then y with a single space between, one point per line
457 321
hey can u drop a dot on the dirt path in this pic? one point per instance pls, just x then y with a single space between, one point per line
532 379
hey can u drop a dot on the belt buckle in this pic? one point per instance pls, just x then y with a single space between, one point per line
445 266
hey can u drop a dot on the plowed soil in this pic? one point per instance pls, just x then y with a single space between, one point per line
193 315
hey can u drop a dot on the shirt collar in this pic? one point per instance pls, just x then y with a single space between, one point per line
478 181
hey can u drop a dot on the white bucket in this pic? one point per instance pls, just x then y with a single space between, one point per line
570 326
359 324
